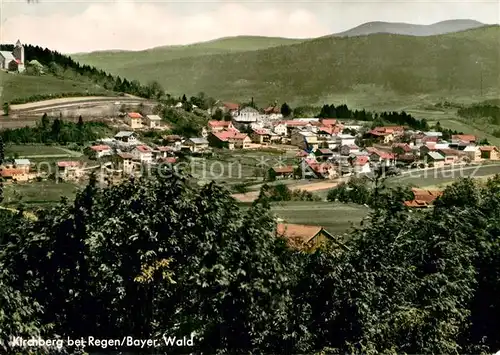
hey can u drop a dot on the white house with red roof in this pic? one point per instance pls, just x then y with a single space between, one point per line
101 150
218 126
13 61
69 170
361 165
134 120
230 139
143 153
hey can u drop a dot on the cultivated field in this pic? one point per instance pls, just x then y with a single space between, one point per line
35 194
39 151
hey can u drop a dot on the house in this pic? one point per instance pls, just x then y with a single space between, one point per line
348 149
162 152
281 172
126 162
229 107
473 152
280 129
217 126
381 157
456 139
431 146
153 121
451 156
403 147
14 174
23 164
328 121
434 158
326 170
69 170
361 165
126 137
345 139
134 120
100 151
489 152
13 61
292 125
197 145
303 236
143 153
386 134
304 140
261 136
273 112
423 198
230 140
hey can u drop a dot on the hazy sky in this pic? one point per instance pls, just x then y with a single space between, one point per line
79 26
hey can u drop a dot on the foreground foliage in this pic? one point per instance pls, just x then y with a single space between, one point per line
159 255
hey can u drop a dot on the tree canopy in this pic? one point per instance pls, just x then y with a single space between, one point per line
161 254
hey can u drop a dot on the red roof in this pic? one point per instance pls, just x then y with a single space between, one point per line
65 164
164 149
231 106
405 146
271 110
134 115
329 121
423 198
487 148
303 233
229 135
361 160
430 139
283 169
9 172
261 131
100 148
380 153
215 123
464 137
449 152
302 153
295 123
125 155
169 160
144 149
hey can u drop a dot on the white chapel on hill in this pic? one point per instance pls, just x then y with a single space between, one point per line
13 61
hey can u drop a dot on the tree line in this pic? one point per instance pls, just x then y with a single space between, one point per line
161 255
56 130
397 118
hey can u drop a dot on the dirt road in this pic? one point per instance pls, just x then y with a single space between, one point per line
311 187
72 100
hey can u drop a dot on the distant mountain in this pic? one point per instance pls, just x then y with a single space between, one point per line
411 29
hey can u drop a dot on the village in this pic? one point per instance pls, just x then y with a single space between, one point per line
322 148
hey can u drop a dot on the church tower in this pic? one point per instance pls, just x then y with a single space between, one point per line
18 53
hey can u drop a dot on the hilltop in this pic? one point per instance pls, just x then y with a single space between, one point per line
111 60
411 29
379 67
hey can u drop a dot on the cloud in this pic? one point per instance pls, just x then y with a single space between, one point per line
134 26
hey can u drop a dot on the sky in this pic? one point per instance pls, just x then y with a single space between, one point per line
72 26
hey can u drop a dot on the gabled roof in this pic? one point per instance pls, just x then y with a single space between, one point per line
126 156
299 232
405 146
272 109
100 148
144 149
448 152
134 115
124 134
435 155
67 164
153 117
361 160
196 140
283 169
21 162
7 55
488 148
464 137
215 123
328 121
231 105
9 172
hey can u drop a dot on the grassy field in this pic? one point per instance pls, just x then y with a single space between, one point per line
379 70
40 150
336 218
18 86
36 194
111 60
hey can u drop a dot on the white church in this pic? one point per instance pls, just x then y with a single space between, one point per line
13 61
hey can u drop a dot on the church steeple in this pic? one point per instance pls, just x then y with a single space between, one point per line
18 43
